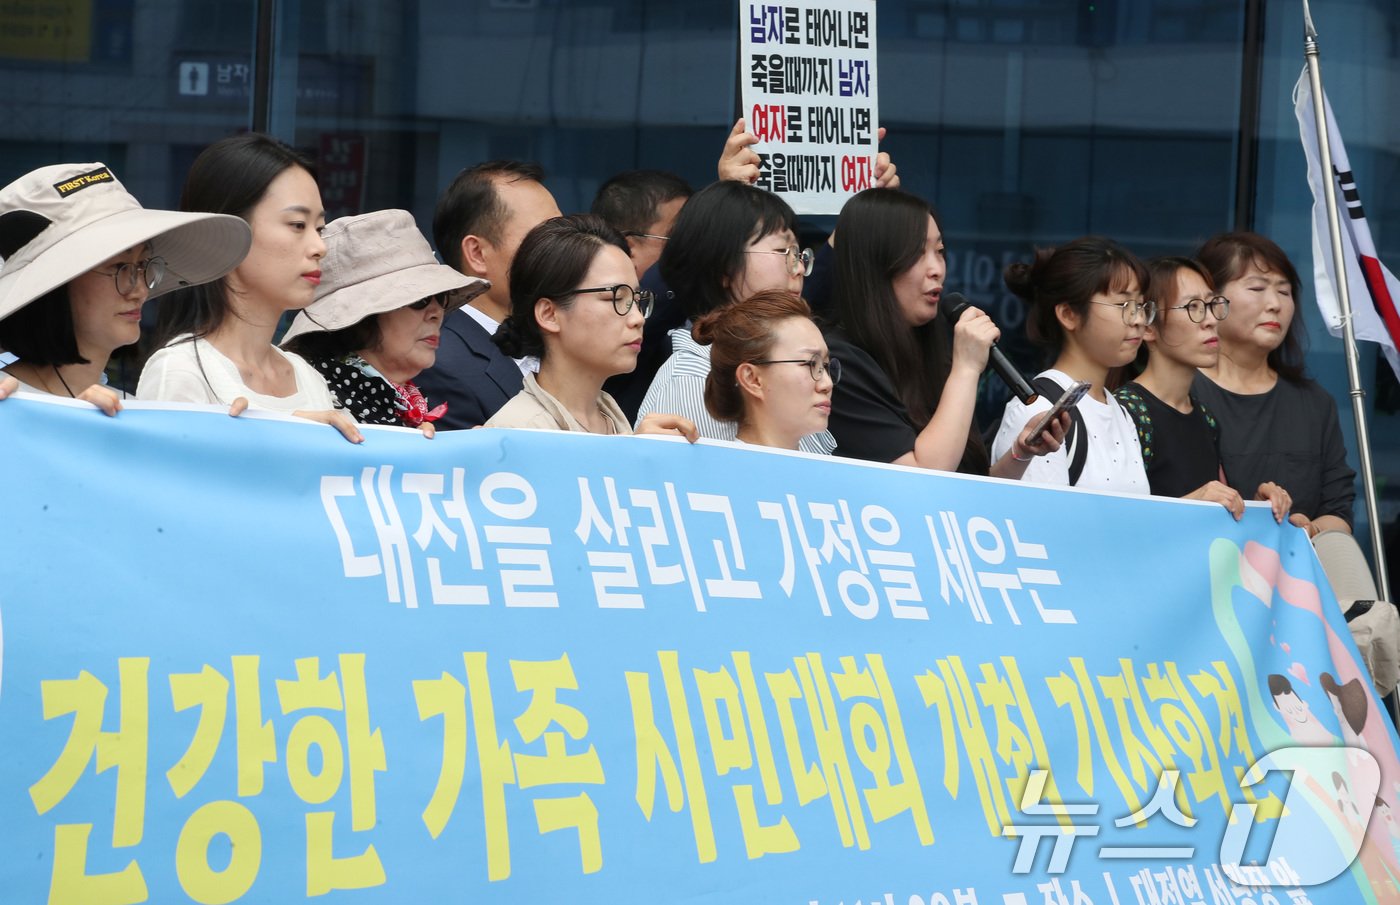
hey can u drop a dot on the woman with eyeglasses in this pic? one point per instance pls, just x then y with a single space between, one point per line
770 372
910 378
1178 435
375 322
81 257
216 340
1088 311
729 242
1276 425
574 305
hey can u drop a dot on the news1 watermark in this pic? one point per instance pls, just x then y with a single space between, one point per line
1332 789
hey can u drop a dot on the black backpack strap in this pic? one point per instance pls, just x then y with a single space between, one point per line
1077 440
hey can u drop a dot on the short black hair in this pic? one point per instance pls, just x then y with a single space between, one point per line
628 201
42 332
471 206
1228 255
706 250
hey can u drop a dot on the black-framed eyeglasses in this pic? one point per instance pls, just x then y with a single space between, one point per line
128 276
1196 309
815 366
799 259
440 298
623 298
1134 309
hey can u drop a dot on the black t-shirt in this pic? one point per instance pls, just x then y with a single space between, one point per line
1288 435
1180 449
869 420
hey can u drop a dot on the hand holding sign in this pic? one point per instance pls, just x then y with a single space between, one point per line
886 173
738 162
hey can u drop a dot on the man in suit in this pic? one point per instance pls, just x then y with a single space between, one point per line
477 227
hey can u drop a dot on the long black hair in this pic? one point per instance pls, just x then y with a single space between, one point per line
880 234
228 177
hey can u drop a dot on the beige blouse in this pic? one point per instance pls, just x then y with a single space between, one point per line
533 407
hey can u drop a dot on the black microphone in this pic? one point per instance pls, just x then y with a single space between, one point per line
953 305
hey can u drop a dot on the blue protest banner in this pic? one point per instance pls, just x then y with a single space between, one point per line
246 661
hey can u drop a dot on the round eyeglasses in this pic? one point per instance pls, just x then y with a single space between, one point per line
815 366
1146 309
1196 309
623 298
128 276
799 259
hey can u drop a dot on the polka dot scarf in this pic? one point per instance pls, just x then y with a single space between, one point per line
371 397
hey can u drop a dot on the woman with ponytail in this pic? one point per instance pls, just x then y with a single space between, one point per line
1178 434
1087 310
217 338
574 305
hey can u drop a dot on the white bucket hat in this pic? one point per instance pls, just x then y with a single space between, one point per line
375 263
58 222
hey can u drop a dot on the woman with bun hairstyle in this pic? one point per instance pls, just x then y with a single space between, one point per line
1088 311
216 340
575 306
770 372
1276 425
81 257
909 378
1179 437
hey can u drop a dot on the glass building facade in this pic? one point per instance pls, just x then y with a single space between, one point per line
1157 122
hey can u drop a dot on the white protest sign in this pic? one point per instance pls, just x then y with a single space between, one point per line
807 71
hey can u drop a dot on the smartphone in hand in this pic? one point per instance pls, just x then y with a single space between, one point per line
1067 399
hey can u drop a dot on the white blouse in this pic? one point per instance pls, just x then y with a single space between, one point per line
192 370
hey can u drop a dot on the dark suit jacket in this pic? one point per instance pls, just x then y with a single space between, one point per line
471 375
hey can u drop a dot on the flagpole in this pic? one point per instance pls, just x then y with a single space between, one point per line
1334 227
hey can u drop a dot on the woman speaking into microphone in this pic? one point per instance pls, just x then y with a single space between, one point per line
909 378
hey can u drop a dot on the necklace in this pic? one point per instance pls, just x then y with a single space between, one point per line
59 375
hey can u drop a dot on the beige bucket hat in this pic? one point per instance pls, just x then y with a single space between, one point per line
374 263
61 221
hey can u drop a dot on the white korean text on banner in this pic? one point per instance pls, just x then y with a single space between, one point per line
808 92
246 661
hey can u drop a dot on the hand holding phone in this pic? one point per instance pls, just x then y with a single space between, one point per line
1067 399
